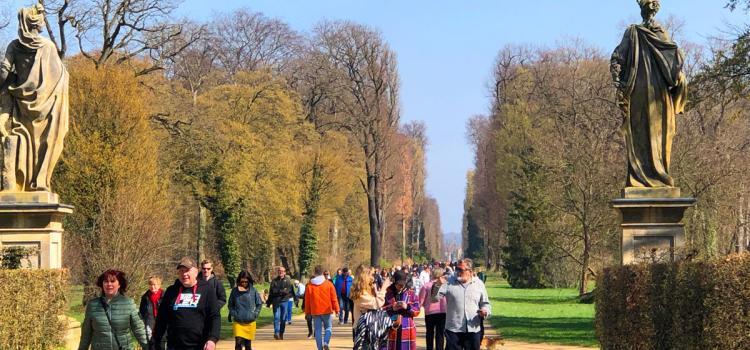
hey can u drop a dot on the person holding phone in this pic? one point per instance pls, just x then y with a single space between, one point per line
402 304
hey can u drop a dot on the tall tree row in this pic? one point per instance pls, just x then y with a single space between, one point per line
256 147
549 159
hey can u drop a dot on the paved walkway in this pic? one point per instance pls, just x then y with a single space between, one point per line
296 339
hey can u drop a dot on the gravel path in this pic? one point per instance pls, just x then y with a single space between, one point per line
296 339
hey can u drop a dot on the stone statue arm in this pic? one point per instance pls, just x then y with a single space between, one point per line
617 67
6 65
618 60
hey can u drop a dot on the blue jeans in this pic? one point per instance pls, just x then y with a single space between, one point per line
345 307
279 316
290 306
323 323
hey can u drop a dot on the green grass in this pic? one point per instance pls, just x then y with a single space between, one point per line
541 315
76 310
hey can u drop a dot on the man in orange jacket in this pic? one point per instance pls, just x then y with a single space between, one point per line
321 303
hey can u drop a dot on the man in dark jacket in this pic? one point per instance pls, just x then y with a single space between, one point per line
188 312
207 273
280 291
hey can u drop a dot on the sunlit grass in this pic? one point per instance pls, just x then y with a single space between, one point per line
541 315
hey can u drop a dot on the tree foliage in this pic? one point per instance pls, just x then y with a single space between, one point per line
110 172
256 147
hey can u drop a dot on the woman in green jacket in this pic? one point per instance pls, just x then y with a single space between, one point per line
110 318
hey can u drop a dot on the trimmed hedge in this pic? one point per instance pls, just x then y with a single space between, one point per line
31 303
687 305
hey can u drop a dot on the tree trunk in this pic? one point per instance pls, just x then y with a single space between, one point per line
742 230
403 240
335 237
585 261
201 241
487 251
372 211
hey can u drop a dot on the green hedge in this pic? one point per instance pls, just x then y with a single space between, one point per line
688 305
31 303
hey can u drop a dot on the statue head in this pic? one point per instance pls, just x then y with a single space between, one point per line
649 8
30 24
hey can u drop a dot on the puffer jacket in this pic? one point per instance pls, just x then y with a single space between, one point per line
244 307
96 331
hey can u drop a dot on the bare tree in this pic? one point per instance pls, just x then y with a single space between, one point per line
247 41
119 30
4 17
195 65
417 133
365 97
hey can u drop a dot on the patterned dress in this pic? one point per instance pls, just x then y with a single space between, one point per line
408 330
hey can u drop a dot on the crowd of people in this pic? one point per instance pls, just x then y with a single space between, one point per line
380 304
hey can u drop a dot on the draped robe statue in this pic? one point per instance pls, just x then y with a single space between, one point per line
647 70
33 106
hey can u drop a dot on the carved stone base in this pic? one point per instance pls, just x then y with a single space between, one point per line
34 220
650 192
652 228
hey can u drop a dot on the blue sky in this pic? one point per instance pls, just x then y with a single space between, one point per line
446 50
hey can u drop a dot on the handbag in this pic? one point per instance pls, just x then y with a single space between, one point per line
105 306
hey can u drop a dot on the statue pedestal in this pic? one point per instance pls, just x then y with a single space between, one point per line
651 223
34 220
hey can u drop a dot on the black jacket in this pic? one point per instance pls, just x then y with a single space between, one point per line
194 321
280 291
215 283
146 309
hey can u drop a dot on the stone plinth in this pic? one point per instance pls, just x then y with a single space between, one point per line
652 227
34 220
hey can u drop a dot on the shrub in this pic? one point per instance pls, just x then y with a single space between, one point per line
32 304
11 257
687 305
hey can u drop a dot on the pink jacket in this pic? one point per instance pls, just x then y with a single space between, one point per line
426 301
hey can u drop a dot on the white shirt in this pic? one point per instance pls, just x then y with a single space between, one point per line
424 276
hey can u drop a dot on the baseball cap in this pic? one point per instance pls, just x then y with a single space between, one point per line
186 262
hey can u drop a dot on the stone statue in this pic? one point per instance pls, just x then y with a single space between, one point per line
647 70
33 106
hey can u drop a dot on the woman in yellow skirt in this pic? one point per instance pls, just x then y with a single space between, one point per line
244 307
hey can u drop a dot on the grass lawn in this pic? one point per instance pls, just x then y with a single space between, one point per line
541 315
77 311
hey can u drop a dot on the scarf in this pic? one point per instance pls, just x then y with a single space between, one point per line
154 298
